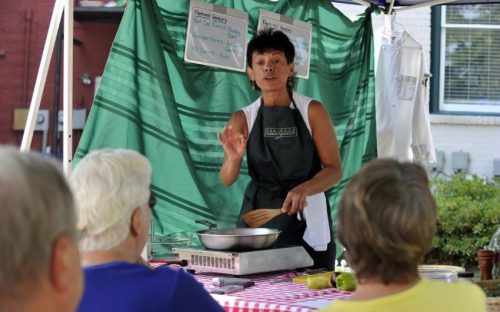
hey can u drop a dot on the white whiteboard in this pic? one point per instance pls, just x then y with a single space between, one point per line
299 33
216 36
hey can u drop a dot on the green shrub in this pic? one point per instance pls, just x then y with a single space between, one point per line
467 217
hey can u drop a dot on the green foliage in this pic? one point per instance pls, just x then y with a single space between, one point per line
467 217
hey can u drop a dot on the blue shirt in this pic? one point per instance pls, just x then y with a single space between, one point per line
121 286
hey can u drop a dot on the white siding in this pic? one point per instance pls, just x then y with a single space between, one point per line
479 136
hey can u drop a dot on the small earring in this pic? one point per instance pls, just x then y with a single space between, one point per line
289 82
254 85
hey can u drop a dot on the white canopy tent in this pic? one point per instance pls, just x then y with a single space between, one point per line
66 6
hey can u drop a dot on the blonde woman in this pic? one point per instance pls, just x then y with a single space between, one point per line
386 221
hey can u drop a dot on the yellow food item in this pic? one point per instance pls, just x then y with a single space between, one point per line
303 278
317 282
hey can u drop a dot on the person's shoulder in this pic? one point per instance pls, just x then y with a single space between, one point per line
317 112
316 105
126 271
179 275
301 97
163 277
167 270
302 100
110 266
456 287
241 118
238 114
169 278
190 295
239 121
252 106
306 103
462 293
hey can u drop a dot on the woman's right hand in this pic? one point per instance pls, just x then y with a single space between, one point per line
234 143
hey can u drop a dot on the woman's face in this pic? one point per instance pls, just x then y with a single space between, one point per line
270 70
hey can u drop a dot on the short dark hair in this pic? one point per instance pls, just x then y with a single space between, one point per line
270 39
386 220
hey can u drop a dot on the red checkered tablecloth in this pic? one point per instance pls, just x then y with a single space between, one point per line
266 296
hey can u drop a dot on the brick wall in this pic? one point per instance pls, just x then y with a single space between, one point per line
90 57
12 41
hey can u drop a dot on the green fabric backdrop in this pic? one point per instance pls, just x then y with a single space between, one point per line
151 101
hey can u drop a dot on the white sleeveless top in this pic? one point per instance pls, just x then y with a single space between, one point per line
301 102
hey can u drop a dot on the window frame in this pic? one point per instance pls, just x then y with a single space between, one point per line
438 42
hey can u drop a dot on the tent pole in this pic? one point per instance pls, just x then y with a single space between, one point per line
426 4
68 88
57 92
391 8
361 2
41 76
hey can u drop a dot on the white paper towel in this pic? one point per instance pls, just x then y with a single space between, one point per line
317 233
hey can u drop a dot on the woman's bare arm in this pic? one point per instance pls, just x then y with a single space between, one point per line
234 141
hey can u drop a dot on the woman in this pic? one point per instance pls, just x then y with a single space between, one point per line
386 221
292 151
112 189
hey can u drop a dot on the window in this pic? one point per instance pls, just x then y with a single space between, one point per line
466 59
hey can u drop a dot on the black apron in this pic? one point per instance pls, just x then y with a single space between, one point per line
281 155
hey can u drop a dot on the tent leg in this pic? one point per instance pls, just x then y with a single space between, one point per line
42 76
68 88
391 6
361 2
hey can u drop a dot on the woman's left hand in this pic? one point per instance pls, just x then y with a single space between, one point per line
295 200
326 144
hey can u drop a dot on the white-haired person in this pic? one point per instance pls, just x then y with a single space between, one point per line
39 263
386 221
112 191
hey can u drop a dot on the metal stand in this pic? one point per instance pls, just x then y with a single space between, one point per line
59 7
